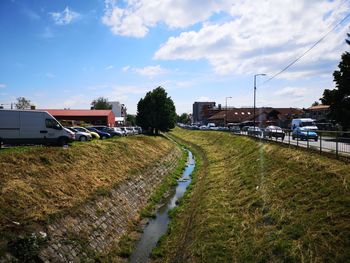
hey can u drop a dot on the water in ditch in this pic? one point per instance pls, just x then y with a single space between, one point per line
158 226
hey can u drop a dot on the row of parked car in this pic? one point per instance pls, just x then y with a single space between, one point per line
102 132
29 127
301 130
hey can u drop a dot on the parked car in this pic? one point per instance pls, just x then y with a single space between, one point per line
274 131
245 128
79 135
120 131
304 134
93 134
139 129
103 135
32 127
235 129
131 130
109 130
254 131
127 132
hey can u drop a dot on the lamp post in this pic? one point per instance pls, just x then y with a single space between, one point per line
255 92
226 110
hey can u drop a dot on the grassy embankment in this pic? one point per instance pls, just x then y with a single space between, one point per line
259 202
39 183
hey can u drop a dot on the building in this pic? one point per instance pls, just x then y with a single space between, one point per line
263 116
318 113
77 117
119 111
201 111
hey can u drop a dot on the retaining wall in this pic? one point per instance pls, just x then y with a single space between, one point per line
99 225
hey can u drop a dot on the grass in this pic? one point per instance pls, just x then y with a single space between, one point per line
259 202
40 183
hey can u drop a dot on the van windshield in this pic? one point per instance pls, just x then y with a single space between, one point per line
307 123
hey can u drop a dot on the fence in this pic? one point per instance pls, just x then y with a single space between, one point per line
330 142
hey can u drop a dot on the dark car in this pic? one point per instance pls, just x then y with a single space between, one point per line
109 130
255 131
103 135
274 131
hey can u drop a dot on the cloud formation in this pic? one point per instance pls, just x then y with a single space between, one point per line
2 85
149 71
65 17
138 16
265 37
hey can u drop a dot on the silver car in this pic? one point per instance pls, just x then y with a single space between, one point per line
79 135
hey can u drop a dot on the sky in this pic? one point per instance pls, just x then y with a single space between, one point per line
66 53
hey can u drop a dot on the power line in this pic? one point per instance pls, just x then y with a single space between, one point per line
307 51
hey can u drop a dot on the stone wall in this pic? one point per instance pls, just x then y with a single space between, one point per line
98 225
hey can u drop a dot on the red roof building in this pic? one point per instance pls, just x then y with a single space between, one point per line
93 117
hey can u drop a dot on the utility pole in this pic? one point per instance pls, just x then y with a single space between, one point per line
255 93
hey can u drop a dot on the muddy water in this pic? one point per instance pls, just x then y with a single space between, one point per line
158 226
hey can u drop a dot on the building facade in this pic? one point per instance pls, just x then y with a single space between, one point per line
200 111
77 117
119 111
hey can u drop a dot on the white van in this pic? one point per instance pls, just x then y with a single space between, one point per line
306 123
32 127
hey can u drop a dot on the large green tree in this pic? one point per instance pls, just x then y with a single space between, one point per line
156 111
338 99
101 103
22 103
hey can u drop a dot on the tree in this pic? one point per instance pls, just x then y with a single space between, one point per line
316 103
22 103
183 118
101 103
131 119
156 111
338 99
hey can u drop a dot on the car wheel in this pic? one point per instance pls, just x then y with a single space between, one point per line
63 141
103 137
316 139
83 139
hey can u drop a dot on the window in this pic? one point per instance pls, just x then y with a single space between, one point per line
52 124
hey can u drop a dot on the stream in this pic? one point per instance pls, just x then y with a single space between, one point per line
158 226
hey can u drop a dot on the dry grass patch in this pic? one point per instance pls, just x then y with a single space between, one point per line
39 182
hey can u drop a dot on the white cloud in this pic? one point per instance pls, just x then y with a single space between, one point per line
109 67
2 85
126 68
292 92
65 17
265 37
138 16
150 71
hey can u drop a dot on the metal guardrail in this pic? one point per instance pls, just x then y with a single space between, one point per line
330 142
336 143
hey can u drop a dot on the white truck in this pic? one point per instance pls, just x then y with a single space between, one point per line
32 127
306 123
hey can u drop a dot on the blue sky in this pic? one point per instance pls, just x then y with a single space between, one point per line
64 54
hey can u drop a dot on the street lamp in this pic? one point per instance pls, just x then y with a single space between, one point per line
255 92
226 110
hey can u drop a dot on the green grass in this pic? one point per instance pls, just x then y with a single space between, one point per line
259 202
